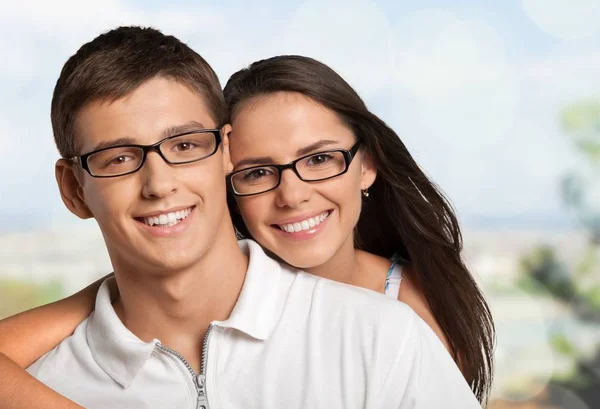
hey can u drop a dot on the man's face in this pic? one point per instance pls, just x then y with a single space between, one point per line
190 196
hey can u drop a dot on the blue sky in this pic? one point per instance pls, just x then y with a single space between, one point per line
474 88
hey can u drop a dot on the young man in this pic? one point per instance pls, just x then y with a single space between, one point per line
202 321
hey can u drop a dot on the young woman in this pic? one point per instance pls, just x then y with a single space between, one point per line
324 185
349 174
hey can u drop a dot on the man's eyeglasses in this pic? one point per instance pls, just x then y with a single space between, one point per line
175 150
311 168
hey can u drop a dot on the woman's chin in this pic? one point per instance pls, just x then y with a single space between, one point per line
306 261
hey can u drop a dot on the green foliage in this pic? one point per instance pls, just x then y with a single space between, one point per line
19 295
582 122
562 345
584 114
592 295
544 274
528 285
543 267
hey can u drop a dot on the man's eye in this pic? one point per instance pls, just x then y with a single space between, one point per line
118 160
184 146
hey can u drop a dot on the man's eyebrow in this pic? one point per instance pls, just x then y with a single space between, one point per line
179 129
267 160
170 131
113 143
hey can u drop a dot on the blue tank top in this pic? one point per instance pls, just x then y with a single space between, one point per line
393 278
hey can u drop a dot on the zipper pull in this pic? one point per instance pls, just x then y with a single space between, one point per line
202 398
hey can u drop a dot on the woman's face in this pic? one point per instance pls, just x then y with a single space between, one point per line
304 223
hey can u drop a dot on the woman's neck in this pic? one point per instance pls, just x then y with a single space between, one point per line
355 267
341 267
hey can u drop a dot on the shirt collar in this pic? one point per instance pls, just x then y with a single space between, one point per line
261 301
116 349
263 295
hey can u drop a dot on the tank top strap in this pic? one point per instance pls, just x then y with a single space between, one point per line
393 278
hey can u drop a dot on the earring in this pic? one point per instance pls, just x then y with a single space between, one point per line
365 192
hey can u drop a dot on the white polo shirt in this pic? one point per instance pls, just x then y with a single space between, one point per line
293 340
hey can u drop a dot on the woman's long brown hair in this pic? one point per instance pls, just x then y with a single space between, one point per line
405 212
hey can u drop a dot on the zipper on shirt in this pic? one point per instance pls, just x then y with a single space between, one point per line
198 379
201 378
201 387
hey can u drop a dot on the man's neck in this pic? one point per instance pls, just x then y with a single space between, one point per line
178 308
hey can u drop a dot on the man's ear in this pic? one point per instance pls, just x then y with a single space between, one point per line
71 190
368 171
225 131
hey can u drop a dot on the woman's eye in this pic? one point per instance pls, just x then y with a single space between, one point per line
319 159
255 174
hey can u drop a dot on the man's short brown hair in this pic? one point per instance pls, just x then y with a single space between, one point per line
116 63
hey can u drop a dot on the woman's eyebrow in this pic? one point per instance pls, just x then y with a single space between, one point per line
250 160
315 146
267 160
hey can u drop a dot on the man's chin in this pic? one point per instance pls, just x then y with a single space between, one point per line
174 261
157 261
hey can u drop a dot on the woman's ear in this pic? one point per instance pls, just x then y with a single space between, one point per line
225 131
368 171
71 190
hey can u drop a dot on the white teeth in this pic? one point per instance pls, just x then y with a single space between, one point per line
304 224
168 219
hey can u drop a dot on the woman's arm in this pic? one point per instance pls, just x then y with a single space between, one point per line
19 390
27 336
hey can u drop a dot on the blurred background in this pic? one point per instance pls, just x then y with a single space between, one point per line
498 101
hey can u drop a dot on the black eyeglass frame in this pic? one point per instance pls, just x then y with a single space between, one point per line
349 155
81 160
